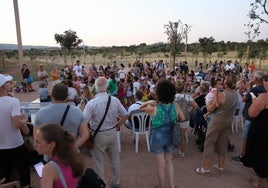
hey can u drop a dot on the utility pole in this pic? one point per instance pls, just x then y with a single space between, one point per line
17 19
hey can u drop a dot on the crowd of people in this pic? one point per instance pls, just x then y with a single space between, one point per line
151 87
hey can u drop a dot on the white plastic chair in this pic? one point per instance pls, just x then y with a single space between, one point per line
238 117
140 125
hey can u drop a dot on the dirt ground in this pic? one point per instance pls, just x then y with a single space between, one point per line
139 170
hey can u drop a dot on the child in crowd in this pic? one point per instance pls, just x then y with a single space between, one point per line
43 92
213 94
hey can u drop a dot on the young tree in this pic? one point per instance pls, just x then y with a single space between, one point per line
186 32
175 33
207 46
68 41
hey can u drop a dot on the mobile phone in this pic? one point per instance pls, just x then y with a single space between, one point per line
39 168
252 95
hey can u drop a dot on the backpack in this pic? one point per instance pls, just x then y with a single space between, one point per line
184 105
91 179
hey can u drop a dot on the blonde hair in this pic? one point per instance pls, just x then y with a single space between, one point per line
230 81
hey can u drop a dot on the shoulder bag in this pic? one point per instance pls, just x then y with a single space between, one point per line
90 141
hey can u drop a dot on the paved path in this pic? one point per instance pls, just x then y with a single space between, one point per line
139 170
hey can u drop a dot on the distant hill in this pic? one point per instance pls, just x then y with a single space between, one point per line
15 47
25 47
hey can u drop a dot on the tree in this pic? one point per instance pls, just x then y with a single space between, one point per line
175 33
241 54
68 41
186 31
258 14
207 46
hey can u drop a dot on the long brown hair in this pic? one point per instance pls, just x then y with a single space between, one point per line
64 146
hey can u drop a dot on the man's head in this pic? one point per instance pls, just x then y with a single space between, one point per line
4 79
101 84
258 77
138 96
5 83
60 92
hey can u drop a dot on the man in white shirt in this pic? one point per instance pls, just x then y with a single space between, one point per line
105 141
13 153
78 69
136 85
229 67
122 72
133 107
42 74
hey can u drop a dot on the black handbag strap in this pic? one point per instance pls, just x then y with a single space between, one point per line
100 124
64 115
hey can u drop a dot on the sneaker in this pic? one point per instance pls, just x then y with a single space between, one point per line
238 159
181 154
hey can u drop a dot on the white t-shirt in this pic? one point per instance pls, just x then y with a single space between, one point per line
229 67
209 97
121 74
10 137
136 86
78 70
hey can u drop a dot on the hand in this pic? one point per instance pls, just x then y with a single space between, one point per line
24 117
25 130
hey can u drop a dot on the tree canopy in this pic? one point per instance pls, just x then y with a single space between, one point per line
258 14
68 40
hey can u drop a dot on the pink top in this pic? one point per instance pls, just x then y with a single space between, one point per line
68 175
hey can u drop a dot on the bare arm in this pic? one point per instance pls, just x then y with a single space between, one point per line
258 104
179 113
149 107
83 135
48 176
194 106
19 122
121 121
212 107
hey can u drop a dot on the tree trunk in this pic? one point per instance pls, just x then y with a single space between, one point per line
247 55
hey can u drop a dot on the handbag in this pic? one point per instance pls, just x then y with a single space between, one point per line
89 178
30 79
90 140
176 135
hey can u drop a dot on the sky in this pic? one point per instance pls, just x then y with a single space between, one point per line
124 22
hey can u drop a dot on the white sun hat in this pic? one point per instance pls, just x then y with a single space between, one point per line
4 79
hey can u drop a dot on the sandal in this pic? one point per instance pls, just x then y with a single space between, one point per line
202 171
220 169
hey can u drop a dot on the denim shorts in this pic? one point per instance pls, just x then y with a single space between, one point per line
161 140
246 128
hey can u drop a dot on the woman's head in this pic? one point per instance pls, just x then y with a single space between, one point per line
179 87
165 91
52 139
215 83
230 81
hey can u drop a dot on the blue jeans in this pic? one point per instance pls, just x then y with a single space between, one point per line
161 140
247 125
